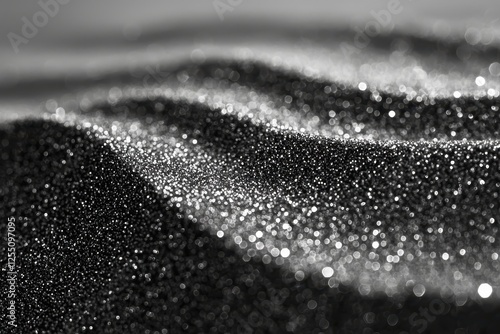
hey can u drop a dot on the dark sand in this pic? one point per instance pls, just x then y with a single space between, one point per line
239 197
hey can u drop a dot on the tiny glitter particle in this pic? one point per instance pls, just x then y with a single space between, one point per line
369 317
285 252
480 81
485 290
299 275
419 290
494 69
392 320
312 304
327 272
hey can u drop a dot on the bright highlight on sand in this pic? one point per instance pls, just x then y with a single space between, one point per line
485 290
480 81
285 252
327 272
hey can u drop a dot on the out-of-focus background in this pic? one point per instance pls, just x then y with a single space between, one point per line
124 20
67 41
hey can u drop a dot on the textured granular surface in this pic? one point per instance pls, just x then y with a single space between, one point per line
238 197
